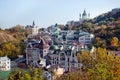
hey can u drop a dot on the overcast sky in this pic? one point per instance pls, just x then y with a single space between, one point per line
49 12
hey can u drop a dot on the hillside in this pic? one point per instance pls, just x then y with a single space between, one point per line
12 41
108 17
5 37
107 28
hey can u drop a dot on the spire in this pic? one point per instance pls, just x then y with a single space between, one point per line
80 16
33 24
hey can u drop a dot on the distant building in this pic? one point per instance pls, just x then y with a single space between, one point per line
37 48
85 37
5 64
36 52
55 30
32 28
82 17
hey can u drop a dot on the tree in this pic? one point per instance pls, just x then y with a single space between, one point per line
114 41
98 42
34 74
27 77
103 26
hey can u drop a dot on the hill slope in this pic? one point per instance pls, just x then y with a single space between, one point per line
5 37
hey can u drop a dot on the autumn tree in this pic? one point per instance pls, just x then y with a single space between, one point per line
34 74
114 41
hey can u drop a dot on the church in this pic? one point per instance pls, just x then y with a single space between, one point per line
37 47
82 17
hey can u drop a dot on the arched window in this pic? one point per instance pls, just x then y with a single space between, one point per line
62 56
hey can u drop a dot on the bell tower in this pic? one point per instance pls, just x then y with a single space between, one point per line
34 30
33 25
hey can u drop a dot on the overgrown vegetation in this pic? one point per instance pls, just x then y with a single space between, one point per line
28 74
99 65
15 46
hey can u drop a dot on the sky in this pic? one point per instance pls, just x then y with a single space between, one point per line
49 12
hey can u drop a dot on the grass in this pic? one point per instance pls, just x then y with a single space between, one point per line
4 74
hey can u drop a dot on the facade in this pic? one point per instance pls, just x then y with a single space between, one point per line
85 37
36 52
64 56
34 29
37 48
5 63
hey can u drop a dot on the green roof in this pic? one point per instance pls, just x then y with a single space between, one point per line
54 47
4 74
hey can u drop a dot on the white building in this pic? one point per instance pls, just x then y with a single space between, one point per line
5 64
34 30
85 37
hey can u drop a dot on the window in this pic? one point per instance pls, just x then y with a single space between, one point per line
81 39
87 38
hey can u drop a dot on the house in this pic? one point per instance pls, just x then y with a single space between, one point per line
36 52
85 37
37 47
5 63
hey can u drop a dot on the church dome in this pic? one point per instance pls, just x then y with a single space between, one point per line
84 13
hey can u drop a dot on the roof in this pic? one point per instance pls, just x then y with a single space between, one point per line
4 58
84 13
41 44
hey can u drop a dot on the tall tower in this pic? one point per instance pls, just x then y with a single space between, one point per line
33 25
34 30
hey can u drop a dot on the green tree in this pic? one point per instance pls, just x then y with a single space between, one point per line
27 77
